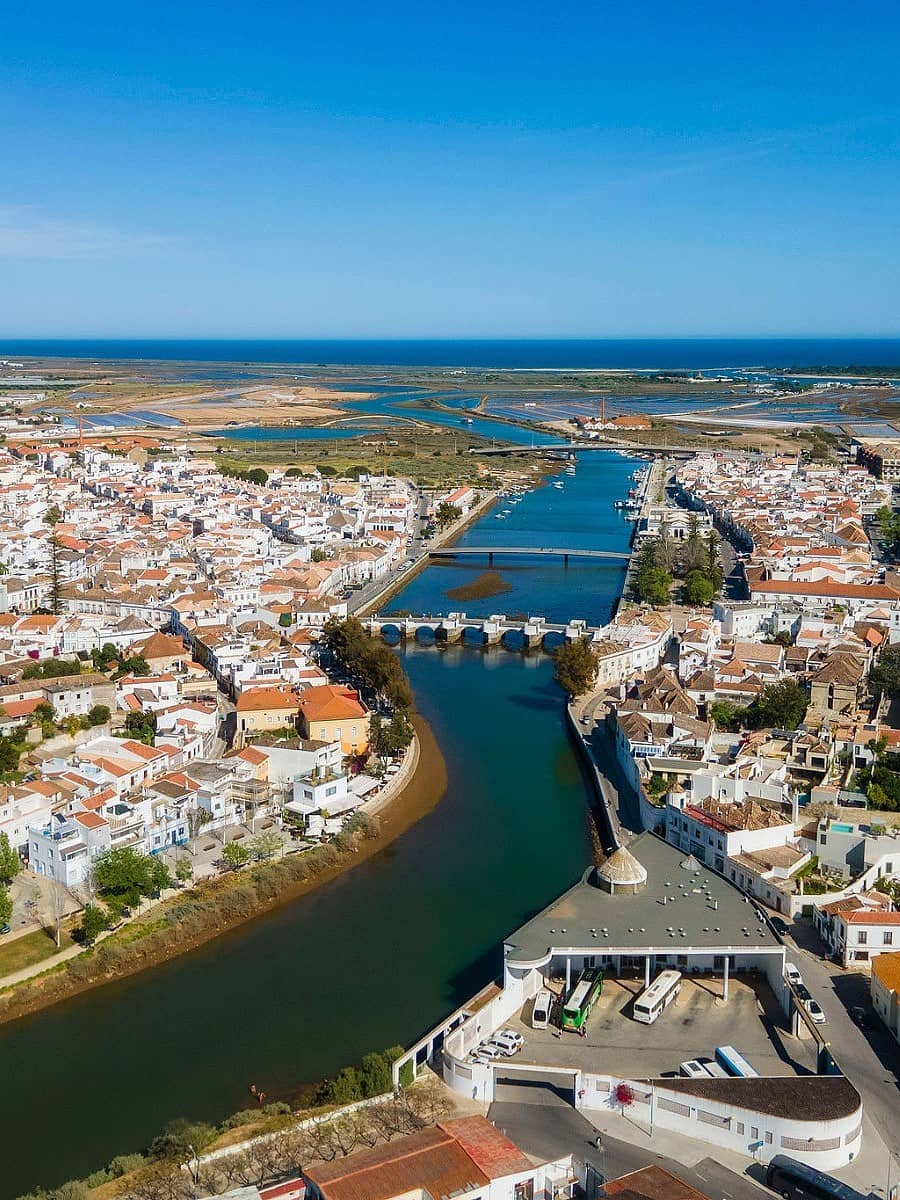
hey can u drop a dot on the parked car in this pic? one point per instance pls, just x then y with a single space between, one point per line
479 1056
792 975
860 1017
497 1049
803 993
779 926
815 1011
509 1038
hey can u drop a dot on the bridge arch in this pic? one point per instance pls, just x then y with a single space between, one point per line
473 635
427 634
392 633
552 640
513 639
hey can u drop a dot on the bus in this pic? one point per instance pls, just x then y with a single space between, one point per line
659 995
577 1008
735 1063
796 1181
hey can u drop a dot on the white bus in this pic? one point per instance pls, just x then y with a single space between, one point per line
659 995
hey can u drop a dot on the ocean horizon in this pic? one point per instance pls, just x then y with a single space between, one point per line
525 354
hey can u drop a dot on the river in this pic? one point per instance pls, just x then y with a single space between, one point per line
380 954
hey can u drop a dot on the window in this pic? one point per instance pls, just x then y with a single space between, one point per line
739 1128
888 938
524 1190
863 937
768 1138
754 1133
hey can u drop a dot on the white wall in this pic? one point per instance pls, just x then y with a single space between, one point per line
832 1143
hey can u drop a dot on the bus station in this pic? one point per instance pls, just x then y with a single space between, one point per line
655 978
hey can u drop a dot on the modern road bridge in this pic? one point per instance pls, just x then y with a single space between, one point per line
491 552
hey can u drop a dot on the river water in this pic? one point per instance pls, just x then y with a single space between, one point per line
380 954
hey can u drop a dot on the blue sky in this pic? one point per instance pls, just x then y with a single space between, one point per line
298 170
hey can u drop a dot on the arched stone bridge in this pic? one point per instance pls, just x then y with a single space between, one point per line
484 631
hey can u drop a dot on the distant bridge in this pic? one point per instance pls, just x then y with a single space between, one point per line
483 631
643 451
562 552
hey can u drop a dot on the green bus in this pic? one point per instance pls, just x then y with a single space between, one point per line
582 998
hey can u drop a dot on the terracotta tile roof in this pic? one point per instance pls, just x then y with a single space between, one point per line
886 968
330 703
259 699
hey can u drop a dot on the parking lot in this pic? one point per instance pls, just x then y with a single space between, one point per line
692 1026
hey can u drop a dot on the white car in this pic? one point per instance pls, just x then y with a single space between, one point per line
497 1049
815 1012
509 1038
792 975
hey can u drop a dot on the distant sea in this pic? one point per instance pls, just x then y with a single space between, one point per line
524 354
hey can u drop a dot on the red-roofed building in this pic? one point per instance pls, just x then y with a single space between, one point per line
335 714
464 1158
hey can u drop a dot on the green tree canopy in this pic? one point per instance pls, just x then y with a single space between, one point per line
885 675
6 907
698 588
122 875
235 855
10 863
780 705
447 514
93 921
575 667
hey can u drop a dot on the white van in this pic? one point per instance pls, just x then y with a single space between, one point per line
693 1070
540 1014
792 975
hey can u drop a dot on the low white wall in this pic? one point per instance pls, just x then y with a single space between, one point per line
822 1144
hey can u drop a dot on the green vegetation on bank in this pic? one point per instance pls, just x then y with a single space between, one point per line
276 1140
203 911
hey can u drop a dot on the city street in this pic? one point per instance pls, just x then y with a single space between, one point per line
870 1059
542 1124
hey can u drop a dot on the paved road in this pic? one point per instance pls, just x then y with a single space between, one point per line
870 1060
546 1126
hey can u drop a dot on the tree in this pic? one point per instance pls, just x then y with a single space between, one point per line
235 855
103 658
6 907
779 705
447 514
123 876
698 588
179 1137
11 750
10 863
727 715
98 714
142 726
885 675
184 869
575 667
264 845
319 555
93 921
137 665
52 518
